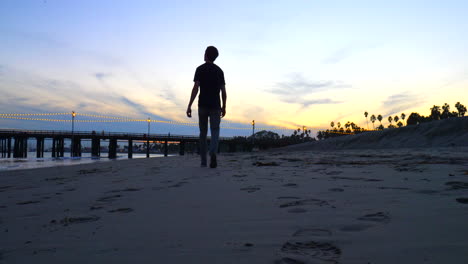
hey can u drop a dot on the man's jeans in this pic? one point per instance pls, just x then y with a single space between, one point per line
215 119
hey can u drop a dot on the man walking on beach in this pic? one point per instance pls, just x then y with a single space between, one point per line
210 79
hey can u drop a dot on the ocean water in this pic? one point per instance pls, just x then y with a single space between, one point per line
33 162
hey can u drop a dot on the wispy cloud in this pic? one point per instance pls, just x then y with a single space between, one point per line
397 103
297 88
102 75
346 52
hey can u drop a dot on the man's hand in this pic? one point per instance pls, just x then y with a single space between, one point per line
189 111
223 111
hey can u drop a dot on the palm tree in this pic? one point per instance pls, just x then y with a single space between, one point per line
372 119
338 124
400 124
365 114
379 117
332 124
445 111
403 116
396 118
461 109
435 112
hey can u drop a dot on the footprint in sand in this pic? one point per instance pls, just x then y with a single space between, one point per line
456 185
262 164
125 190
76 220
309 252
355 227
310 201
251 189
27 202
427 191
109 198
177 185
121 210
312 232
462 200
380 217
297 210
355 179
333 172
4 188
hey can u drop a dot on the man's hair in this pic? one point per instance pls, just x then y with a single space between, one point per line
211 53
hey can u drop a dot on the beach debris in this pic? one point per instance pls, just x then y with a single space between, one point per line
462 200
262 164
248 245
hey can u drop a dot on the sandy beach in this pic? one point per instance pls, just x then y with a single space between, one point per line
347 206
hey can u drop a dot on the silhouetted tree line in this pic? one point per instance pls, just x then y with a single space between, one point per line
436 113
268 139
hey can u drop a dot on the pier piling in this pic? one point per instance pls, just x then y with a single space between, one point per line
130 149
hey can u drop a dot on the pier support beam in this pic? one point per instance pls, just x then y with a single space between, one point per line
165 148
39 147
182 148
112 148
95 147
60 147
21 147
9 147
147 149
54 149
2 147
130 149
76 147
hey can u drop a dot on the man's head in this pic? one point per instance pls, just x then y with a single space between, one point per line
211 53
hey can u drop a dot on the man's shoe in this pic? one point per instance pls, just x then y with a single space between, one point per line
213 163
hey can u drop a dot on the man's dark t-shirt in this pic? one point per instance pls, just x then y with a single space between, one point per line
211 78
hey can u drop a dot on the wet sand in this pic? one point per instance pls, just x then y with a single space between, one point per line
354 206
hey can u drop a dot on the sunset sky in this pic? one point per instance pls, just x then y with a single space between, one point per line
286 63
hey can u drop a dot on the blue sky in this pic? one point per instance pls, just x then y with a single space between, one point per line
287 63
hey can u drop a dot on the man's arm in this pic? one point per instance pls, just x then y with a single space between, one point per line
196 85
224 98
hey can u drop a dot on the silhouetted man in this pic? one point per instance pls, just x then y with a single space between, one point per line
210 79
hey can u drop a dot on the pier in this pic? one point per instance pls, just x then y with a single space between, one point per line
14 143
